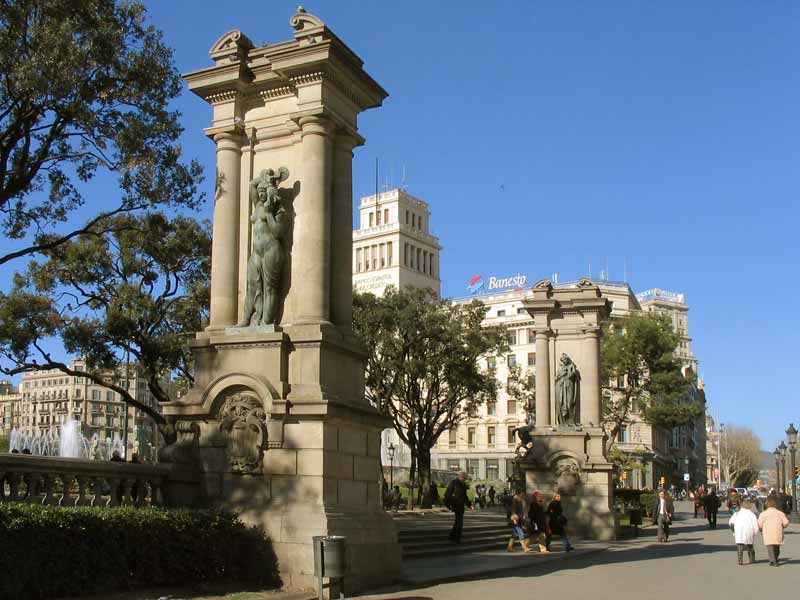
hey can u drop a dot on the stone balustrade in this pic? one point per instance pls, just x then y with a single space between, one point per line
79 482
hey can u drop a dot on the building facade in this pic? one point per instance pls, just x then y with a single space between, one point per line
484 444
48 398
393 244
9 406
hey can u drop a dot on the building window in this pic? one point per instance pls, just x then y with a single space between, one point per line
623 434
510 436
492 469
531 359
453 437
430 267
389 253
531 336
511 407
472 468
406 217
522 311
511 360
454 464
471 439
491 409
77 392
491 436
419 258
109 396
371 219
378 217
491 363
405 254
501 313
95 394
385 216
512 337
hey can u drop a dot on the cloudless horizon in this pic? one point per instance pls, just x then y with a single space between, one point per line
658 139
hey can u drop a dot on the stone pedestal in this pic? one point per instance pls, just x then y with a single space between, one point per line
276 422
570 458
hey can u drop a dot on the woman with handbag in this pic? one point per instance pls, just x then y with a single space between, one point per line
538 522
558 522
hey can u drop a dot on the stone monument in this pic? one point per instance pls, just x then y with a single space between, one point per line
568 451
277 424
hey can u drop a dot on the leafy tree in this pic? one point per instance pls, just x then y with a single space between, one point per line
638 367
133 291
521 386
423 370
741 455
85 89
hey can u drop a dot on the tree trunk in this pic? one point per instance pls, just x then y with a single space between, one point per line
412 471
424 462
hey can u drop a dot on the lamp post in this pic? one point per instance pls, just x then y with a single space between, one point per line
791 437
391 450
782 448
777 455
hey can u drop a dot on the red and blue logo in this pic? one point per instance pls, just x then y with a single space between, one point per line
476 285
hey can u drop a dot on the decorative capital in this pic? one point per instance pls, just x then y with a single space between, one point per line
543 285
232 47
307 27
586 283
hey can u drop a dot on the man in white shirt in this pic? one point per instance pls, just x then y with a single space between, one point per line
663 509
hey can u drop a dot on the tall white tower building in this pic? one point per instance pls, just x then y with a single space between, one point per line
393 244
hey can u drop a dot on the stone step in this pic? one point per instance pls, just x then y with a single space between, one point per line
422 535
453 549
487 537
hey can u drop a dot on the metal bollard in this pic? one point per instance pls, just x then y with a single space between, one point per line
330 560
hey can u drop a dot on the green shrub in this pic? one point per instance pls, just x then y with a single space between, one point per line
49 551
647 500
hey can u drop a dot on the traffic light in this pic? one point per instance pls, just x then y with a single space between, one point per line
624 475
797 471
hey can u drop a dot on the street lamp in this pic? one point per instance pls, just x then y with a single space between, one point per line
391 450
777 455
791 436
782 448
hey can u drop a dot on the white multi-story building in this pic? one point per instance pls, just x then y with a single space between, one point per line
393 244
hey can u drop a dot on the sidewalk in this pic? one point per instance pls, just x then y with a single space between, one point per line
430 571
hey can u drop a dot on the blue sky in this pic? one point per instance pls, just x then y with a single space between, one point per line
548 135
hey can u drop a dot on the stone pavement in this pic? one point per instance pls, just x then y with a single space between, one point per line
696 564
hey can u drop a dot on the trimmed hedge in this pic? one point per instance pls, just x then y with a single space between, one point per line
49 551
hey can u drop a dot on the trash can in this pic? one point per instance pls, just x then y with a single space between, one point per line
330 560
636 516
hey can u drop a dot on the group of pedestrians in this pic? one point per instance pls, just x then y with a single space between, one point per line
528 518
531 521
746 526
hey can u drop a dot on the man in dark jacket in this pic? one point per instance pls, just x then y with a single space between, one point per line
663 509
711 503
456 499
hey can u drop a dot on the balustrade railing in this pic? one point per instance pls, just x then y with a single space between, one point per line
79 482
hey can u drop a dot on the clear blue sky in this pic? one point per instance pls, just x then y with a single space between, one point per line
546 135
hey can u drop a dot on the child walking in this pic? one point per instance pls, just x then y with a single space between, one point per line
745 528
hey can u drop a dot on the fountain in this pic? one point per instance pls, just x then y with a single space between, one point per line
73 444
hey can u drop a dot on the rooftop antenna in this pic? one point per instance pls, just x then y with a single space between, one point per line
590 269
608 275
403 182
377 198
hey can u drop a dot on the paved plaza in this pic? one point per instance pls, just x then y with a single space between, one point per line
695 564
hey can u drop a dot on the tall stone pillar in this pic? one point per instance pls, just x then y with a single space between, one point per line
225 239
342 232
590 393
311 275
542 379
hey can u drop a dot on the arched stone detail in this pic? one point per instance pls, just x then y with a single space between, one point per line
214 393
567 468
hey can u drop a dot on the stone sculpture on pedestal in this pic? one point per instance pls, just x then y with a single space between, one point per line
266 263
568 391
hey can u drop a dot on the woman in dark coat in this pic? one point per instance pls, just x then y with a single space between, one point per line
558 522
537 518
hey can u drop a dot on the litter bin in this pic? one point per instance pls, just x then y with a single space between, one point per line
330 560
636 520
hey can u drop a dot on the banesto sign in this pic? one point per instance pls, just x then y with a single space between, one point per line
477 284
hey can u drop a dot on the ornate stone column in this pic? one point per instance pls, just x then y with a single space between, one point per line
542 379
342 232
590 392
311 276
225 239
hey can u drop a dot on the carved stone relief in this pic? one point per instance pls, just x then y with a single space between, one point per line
244 421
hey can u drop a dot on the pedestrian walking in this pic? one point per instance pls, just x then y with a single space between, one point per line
517 519
699 497
745 528
557 521
456 499
712 504
663 510
772 522
492 494
537 519
433 489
